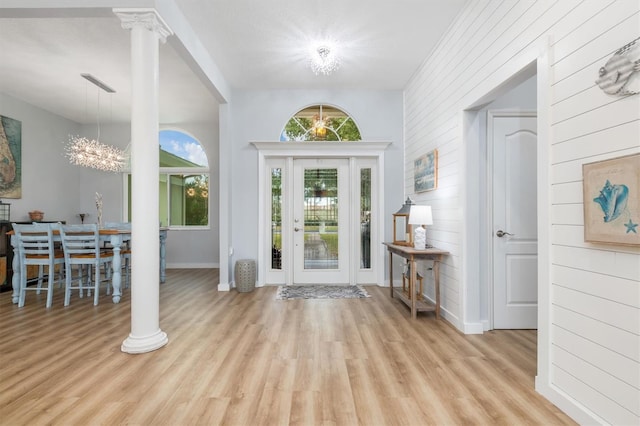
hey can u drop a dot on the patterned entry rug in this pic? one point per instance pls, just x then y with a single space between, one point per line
286 292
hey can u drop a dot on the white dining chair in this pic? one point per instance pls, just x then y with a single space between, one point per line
36 246
81 245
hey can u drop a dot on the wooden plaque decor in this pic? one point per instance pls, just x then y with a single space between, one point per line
612 200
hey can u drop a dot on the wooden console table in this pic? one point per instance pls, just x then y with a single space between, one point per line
412 255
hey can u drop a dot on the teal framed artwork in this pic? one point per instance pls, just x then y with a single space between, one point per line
612 200
10 158
425 172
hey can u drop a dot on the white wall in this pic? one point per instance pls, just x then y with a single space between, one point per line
199 249
48 183
62 190
590 352
261 116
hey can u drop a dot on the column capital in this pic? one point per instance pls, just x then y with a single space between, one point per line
145 18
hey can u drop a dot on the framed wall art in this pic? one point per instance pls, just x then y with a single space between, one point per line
10 158
425 172
612 200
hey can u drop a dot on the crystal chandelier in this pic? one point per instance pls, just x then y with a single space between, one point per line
92 153
324 60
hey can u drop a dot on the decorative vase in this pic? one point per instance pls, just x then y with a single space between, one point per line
36 215
99 208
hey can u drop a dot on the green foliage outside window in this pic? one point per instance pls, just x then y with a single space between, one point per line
196 200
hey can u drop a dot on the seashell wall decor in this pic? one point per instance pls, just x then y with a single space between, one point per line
621 74
612 200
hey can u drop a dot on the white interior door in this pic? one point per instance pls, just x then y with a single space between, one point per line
515 247
321 221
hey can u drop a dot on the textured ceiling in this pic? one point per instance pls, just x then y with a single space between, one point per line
264 44
48 56
256 45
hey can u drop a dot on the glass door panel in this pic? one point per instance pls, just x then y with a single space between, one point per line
321 227
365 218
276 218
321 214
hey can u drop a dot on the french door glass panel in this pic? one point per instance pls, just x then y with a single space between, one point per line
321 207
321 227
276 218
365 218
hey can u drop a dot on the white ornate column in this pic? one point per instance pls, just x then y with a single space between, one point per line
147 29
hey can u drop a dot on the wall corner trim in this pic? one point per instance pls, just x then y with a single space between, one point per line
569 406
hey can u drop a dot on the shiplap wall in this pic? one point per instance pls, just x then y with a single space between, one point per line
593 342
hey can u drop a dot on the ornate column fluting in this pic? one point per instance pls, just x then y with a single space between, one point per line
147 30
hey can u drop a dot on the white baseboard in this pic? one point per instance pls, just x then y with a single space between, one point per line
466 328
577 412
473 328
485 325
193 265
396 284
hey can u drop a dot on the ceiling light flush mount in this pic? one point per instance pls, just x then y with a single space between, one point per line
324 59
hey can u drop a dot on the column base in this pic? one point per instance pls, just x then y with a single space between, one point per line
140 345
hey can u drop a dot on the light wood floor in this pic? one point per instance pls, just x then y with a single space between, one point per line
248 359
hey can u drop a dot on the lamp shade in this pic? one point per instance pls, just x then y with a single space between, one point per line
420 215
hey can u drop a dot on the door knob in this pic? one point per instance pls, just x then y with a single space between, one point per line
296 229
500 233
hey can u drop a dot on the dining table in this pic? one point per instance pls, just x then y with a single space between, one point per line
116 238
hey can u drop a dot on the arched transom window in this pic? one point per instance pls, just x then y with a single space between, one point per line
320 123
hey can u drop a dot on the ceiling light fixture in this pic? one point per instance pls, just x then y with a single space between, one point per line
92 153
324 59
320 127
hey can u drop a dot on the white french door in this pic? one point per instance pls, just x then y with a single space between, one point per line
321 221
321 203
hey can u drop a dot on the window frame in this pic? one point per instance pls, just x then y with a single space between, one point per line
168 172
320 117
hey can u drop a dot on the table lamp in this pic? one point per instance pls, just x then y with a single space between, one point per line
421 216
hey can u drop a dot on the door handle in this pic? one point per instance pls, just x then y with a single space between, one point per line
296 229
500 233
